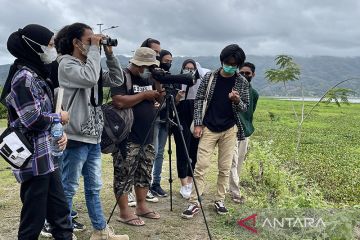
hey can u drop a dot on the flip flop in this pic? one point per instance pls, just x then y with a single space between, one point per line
149 215
131 221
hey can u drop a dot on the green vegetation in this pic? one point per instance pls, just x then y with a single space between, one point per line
323 177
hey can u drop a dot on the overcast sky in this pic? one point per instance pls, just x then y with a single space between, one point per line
201 27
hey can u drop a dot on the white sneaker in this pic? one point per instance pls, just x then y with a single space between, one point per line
131 200
108 234
189 187
184 192
151 198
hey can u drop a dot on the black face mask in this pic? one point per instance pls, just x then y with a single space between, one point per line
248 78
165 66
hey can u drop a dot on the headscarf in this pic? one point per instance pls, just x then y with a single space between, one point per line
25 56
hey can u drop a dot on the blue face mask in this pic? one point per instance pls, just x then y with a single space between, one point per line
229 69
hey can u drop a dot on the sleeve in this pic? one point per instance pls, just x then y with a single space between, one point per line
114 77
27 105
256 98
199 100
121 90
243 89
74 75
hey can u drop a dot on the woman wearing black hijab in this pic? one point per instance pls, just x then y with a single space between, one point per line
28 95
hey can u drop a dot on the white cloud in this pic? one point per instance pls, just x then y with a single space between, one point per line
202 27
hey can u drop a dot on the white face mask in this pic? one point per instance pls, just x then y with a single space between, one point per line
185 71
48 55
145 74
84 48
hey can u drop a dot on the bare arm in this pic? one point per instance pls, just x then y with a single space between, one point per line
128 101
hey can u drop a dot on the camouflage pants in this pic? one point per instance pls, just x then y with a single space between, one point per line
134 169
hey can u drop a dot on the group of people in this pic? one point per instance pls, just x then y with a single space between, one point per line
220 106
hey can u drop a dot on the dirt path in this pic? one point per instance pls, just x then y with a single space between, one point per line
171 226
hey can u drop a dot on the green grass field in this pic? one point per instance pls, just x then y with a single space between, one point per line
321 177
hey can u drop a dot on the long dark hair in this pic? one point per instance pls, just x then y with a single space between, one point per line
64 38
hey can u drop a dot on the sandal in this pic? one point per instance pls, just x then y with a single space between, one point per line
150 215
238 199
131 221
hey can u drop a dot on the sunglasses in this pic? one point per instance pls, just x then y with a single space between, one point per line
245 73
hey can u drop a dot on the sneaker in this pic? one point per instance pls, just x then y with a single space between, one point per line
74 214
131 200
46 230
151 198
78 227
220 208
190 211
107 233
185 193
158 191
189 188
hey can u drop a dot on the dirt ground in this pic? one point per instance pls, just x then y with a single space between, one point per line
170 226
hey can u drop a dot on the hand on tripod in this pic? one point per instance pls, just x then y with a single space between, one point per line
179 95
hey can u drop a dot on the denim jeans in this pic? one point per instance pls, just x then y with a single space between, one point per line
160 137
84 160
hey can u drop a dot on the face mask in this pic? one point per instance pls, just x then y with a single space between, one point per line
84 48
48 55
248 78
145 74
186 71
229 69
165 66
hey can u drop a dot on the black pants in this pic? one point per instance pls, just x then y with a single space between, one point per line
43 197
186 114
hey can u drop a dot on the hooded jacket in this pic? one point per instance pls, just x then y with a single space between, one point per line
79 79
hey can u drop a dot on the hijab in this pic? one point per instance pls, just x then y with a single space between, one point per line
26 55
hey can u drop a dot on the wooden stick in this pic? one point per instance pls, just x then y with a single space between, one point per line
59 99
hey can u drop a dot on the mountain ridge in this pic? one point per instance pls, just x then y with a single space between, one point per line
318 73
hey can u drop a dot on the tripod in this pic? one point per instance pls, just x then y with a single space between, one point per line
170 107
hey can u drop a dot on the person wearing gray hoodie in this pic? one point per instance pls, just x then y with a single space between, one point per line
82 78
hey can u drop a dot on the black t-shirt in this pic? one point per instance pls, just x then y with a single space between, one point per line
219 116
144 112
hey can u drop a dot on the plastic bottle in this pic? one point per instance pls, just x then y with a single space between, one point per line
56 134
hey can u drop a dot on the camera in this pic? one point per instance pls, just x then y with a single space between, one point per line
165 77
109 42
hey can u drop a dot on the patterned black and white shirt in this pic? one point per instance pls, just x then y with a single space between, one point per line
241 85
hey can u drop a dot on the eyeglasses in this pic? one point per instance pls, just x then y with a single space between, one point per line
245 73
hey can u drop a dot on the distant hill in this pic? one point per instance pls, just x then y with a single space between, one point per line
317 73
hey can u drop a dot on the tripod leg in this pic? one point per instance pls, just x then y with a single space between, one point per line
177 121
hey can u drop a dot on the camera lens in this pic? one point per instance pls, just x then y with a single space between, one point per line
109 42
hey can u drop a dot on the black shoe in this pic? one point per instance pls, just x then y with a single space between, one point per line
158 191
78 227
46 230
220 208
192 209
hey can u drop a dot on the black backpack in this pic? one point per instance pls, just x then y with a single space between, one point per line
117 122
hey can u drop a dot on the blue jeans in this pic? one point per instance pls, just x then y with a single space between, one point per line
84 160
160 137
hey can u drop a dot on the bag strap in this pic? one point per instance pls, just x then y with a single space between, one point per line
72 98
211 78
